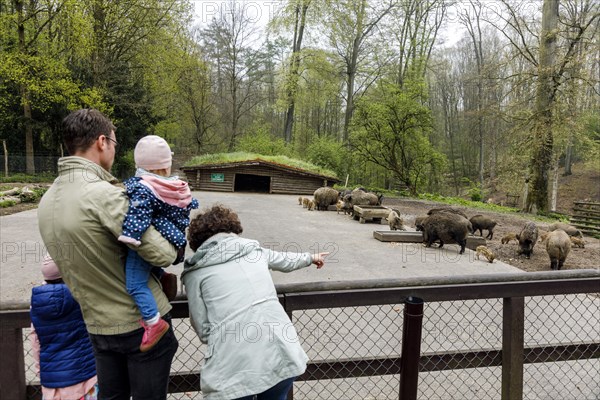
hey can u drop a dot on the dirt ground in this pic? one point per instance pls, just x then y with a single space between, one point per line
578 258
21 206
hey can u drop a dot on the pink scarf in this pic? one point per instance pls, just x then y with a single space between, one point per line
172 191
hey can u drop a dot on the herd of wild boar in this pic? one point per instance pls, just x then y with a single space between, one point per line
447 224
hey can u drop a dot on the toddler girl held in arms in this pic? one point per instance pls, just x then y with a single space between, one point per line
164 201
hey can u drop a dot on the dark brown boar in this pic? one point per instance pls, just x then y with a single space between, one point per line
447 209
480 223
527 239
444 227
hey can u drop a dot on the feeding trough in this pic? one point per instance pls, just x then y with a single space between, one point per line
417 237
370 213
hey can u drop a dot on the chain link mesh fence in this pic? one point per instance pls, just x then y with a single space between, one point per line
353 333
462 327
451 330
560 320
17 163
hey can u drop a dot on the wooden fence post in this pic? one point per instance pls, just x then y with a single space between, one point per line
12 376
5 157
513 324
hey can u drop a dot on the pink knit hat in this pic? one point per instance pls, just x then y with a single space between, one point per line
152 152
50 269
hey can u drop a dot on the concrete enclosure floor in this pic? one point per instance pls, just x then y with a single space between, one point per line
278 222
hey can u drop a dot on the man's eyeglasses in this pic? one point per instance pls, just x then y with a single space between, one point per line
112 140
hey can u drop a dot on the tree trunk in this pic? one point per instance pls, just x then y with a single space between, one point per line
543 139
5 158
569 156
351 70
349 104
294 67
29 154
554 195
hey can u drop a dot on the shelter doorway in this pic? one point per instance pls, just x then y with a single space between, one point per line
252 183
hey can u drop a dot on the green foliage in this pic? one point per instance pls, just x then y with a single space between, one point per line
546 218
7 203
466 203
391 129
124 165
45 177
32 196
475 194
588 143
259 140
219 158
327 153
474 190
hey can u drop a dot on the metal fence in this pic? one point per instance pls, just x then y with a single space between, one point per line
44 163
511 336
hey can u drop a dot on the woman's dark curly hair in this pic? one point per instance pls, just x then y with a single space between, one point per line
211 221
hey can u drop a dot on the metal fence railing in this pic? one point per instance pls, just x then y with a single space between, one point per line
17 163
512 336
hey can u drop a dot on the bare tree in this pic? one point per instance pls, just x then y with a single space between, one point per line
231 37
473 25
417 24
349 24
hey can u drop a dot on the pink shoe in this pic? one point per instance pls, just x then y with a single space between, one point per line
152 334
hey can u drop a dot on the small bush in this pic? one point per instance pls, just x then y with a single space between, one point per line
475 194
7 203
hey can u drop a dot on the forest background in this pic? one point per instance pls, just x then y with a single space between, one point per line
373 90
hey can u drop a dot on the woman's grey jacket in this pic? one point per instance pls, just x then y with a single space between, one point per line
251 343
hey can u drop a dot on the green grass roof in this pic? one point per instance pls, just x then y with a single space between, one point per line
222 158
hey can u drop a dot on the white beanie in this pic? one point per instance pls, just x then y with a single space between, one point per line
152 152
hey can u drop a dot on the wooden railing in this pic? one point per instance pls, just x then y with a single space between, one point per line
586 217
413 293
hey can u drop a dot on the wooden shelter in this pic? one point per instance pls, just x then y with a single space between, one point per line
255 176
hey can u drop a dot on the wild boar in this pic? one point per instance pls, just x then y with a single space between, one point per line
359 197
445 226
394 221
558 246
480 223
577 242
508 237
527 239
325 196
487 253
569 229
448 209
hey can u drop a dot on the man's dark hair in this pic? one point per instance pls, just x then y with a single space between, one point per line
211 221
81 128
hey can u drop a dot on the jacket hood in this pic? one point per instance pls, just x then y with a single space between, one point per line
53 301
89 169
218 249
